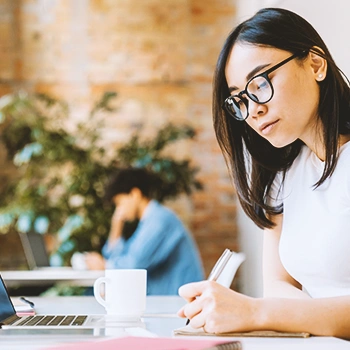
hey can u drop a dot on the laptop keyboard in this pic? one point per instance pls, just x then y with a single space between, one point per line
52 321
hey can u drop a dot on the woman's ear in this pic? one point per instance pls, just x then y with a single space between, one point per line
318 64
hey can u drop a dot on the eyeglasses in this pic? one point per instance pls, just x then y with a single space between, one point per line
259 89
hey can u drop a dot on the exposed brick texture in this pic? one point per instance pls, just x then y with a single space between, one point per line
158 55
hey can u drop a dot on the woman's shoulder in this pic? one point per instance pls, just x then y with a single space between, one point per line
343 164
344 150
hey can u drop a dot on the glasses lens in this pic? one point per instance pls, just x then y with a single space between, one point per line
259 89
237 107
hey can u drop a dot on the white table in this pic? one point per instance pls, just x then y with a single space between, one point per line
160 319
48 276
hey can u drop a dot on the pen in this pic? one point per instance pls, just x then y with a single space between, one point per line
27 301
218 268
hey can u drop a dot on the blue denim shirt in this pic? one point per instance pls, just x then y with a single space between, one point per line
162 245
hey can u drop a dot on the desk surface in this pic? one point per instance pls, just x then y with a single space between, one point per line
44 276
160 319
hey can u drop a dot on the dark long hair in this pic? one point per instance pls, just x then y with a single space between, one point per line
253 162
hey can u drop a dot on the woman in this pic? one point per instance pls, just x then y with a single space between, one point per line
281 114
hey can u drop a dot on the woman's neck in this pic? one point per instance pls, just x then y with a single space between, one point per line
343 139
319 148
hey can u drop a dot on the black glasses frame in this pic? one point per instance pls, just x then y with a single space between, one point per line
265 74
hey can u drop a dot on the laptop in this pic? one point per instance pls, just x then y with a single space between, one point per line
35 252
10 320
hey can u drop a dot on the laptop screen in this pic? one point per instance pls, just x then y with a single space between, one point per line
6 308
35 250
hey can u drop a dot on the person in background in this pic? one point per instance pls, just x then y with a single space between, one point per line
161 244
281 110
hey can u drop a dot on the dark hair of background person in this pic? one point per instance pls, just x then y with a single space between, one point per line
254 175
124 180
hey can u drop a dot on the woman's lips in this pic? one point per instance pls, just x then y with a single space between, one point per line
266 128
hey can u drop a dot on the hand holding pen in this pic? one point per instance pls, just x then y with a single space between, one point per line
218 268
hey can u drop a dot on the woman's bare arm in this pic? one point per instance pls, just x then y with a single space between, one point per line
285 307
277 282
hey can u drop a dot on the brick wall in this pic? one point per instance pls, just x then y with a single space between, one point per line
158 55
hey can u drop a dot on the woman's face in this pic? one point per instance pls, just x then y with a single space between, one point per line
292 112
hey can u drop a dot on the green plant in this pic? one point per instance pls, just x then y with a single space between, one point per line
57 185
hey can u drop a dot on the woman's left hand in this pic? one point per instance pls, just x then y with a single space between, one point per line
218 309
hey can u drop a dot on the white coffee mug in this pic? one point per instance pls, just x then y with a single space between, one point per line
125 292
78 261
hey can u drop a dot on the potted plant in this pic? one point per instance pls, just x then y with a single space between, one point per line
57 183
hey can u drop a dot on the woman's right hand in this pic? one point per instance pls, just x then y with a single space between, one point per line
218 309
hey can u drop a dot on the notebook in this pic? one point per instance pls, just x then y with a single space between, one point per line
154 343
10 320
188 330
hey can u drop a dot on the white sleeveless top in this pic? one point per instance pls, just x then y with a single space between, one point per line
315 239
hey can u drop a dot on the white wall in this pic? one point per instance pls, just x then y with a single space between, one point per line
330 19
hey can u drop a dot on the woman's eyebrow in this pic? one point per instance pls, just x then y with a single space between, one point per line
250 75
256 70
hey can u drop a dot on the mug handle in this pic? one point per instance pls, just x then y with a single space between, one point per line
97 293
